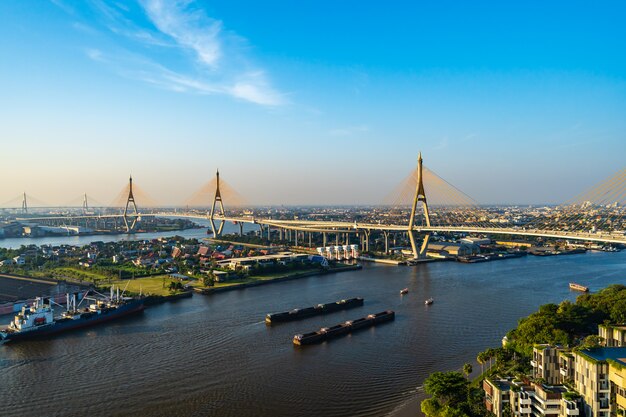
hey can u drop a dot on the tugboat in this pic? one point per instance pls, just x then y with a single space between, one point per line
404 291
429 301
578 287
37 320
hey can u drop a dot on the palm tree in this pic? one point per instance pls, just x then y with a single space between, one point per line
467 370
481 360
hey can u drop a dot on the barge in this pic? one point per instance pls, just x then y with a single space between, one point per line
327 333
38 320
301 313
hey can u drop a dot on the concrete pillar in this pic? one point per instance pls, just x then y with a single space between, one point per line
386 235
240 229
310 240
347 238
324 239
296 239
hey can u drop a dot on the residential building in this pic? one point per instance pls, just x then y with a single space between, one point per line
566 366
613 335
591 380
617 377
545 364
497 395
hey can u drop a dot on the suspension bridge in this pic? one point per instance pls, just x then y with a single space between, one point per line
422 205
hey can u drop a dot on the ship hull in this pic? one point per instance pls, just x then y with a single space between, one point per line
64 325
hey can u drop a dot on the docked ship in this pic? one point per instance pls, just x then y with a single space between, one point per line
300 313
38 319
327 333
578 287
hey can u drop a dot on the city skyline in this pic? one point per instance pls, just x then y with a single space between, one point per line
323 104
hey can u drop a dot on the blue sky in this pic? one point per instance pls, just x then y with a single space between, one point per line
310 102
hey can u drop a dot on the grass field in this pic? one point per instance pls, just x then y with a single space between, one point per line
156 285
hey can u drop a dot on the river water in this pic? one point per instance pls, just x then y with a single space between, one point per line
81 240
214 356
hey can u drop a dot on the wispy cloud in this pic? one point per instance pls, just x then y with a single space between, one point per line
190 29
443 144
175 45
349 130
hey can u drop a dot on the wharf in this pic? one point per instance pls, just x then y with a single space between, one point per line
382 260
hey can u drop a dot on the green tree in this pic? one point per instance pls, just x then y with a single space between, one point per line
447 388
467 369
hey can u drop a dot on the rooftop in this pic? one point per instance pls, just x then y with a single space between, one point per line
617 354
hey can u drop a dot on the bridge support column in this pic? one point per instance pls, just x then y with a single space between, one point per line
420 195
324 239
386 235
240 229
296 237
336 239
424 247
310 240
366 243
130 227
217 231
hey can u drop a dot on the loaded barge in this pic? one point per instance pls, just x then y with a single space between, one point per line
327 333
38 320
300 313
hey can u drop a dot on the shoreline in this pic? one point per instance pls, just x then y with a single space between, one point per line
295 275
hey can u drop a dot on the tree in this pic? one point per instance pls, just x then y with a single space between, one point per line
481 358
447 388
467 369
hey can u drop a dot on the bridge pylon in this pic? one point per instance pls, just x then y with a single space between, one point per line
24 204
420 195
217 231
85 205
131 199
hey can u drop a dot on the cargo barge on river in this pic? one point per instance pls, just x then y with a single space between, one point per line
327 333
319 309
38 320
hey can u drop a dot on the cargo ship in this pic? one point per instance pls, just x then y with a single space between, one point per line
578 287
38 320
327 333
300 313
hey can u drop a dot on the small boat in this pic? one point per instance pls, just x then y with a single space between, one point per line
429 301
404 291
578 287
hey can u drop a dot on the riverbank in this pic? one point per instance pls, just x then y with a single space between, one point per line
256 281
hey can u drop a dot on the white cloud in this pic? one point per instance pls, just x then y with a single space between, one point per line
190 28
173 44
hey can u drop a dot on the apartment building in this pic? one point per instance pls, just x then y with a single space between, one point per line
614 336
545 363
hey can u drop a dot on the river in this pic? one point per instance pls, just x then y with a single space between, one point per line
214 356
80 240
